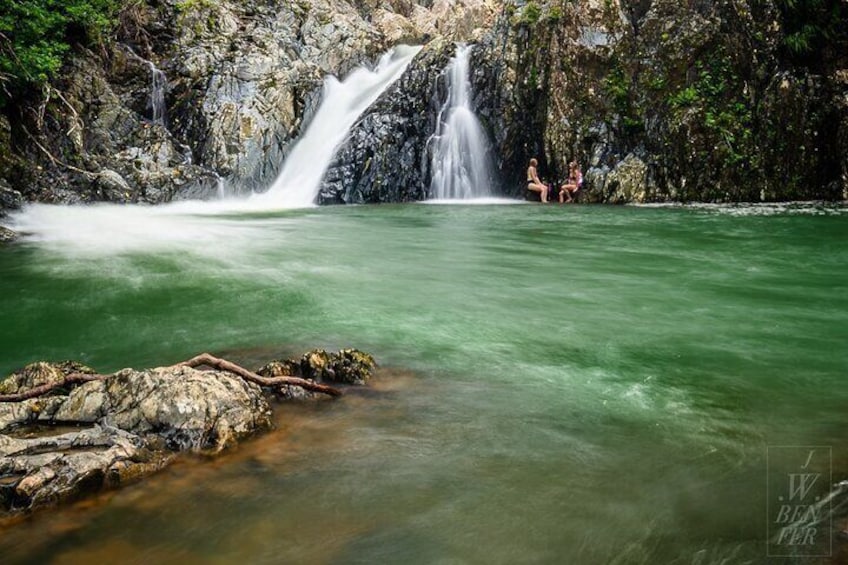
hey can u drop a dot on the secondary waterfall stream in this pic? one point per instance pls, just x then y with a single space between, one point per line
158 83
460 158
158 86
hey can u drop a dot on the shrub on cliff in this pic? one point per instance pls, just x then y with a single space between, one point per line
812 28
36 35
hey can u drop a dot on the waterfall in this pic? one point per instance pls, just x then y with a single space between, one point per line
158 82
460 160
181 225
342 103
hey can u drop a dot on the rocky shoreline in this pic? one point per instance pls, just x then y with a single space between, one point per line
87 432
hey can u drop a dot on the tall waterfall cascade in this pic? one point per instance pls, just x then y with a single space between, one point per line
343 102
460 161
184 225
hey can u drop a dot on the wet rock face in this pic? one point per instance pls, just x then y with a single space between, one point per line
386 157
7 235
9 199
237 81
700 93
257 65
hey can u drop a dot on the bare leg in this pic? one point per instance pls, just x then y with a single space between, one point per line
541 189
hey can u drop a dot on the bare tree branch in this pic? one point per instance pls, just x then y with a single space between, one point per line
250 376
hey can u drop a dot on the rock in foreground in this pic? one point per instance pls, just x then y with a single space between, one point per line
122 427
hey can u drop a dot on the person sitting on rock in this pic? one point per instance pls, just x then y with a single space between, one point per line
533 182
572 185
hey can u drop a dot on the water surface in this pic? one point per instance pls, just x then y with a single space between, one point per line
560 384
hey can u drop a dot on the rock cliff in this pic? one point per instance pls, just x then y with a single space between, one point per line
665 100
193 96
659 100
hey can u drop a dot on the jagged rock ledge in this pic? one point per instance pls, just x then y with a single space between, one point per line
86 432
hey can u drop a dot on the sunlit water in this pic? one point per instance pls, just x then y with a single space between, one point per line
560 384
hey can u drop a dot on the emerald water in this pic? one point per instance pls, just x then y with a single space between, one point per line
571 384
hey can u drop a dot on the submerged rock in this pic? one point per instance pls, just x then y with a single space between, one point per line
7 235
43 471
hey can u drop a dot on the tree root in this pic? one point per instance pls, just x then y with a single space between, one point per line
35 392
250 376
196 361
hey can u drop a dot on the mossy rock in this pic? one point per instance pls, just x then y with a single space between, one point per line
287 368
347 366
353 366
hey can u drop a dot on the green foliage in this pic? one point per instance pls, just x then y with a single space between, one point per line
716 97
533 79
657 82
531 13
617 86
684 98
808 25
192 5
35 36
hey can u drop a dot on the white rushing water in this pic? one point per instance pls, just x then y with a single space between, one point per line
342 104
460 158
188 226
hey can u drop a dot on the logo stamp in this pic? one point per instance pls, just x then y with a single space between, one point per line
798 507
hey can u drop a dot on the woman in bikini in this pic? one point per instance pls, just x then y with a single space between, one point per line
533 182
572 185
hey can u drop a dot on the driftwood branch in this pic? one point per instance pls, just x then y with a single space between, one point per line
271 382
196 361
73 378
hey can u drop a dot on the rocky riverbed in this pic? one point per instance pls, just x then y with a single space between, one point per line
76 439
